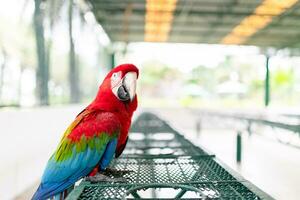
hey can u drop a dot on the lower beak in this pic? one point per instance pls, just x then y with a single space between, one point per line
127 89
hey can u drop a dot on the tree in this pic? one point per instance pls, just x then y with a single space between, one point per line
73 69
42 74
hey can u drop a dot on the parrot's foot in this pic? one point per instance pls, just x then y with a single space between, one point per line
99 177
116 172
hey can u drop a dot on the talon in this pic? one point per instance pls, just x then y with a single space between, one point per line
116 172
103 178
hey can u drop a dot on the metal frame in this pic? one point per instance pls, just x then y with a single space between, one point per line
196 170
249 120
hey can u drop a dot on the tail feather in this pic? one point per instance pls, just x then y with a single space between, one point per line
48 190
45 191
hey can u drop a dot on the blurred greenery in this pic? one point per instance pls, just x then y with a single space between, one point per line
18 53
155 72
201 85
237 80
283 77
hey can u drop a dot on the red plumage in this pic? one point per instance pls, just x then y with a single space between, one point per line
107 107
109 114
94 121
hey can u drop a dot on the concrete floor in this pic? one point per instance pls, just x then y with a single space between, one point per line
270 165
30 136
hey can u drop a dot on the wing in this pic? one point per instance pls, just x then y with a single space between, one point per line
108 154
80 150
121 148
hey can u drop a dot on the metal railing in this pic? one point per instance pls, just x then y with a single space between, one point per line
247 121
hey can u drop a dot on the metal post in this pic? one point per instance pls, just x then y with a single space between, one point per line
112 60
267 83
198 128
239 147
249 128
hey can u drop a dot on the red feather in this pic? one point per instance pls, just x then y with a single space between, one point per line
106 101
94 121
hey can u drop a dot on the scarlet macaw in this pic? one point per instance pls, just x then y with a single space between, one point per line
96 135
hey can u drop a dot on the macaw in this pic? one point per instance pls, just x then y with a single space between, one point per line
97 135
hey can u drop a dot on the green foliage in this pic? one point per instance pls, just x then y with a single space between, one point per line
256 84
153 72
203 76
283 77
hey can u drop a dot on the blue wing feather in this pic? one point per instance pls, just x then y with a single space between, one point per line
48 190
59 176
108 154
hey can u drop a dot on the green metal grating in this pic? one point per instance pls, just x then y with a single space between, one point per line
165 165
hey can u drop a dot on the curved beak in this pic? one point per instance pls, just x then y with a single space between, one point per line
127 90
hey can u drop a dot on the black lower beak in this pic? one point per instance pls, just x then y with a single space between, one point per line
123 94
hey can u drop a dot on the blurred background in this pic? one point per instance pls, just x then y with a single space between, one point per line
216 70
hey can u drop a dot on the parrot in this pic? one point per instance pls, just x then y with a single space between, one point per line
98 134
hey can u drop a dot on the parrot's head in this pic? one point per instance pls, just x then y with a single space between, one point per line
118 89
123 82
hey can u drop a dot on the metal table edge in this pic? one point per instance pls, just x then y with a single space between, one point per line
260 193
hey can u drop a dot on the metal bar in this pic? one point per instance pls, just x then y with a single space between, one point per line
198 128
165 156
198 4
165 185
138 25
249 129
77 191
267 82
112 60
239 147
135 195
115 20
240 14
180 194
270 39
136 31
289 127
218 2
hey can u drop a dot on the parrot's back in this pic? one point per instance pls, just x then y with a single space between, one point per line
82 147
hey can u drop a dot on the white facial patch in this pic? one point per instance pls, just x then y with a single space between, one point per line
116 79
124 88
130 83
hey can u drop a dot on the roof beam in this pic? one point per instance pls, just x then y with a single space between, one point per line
197 29
179 2
259 19
104 13
196 6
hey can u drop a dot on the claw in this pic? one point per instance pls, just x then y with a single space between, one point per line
116 172
103 178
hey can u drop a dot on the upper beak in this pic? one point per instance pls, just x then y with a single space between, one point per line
128 88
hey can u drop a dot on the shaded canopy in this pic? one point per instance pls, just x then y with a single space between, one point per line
269 23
